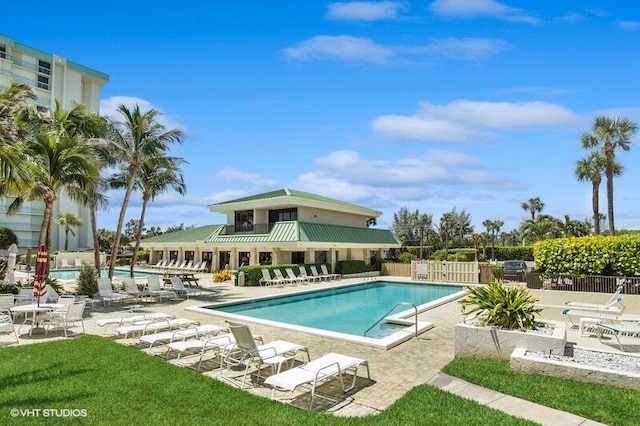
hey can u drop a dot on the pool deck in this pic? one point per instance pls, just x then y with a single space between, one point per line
393 372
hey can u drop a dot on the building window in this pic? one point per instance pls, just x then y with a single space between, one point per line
283 215
3 51
44 67
244 220
43 82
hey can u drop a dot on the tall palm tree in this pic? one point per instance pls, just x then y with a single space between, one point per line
156 176
610 134
68 220
13 102
134 141
591 168
493 229
533 205
543 226
422 223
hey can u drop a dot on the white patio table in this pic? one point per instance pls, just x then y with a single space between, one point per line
34 310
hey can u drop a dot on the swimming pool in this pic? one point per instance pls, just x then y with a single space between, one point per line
72 274
347 311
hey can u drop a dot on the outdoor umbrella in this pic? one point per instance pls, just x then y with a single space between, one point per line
11 263
39 285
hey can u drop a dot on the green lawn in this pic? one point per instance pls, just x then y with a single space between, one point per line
606 404
116 384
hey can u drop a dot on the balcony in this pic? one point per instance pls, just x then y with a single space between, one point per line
247 229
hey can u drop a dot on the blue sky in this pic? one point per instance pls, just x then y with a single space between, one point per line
472 104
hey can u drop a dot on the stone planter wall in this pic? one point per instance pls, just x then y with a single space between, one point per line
567 370
488 342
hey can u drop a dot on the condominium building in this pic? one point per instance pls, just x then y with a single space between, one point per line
53 78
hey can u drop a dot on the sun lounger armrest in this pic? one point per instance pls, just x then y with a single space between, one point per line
326 367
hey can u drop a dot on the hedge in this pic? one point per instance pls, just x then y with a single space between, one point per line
591 255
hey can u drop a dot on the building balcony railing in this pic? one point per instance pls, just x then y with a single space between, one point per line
244 228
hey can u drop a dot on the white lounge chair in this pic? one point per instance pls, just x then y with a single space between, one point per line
105 290
282 278
613 304
65 318
293 277
78 263
326 273
155 289
6 324
218 344
247 353
64 263
303 274
51 295
198 331
179 287
154 327
609 316
629 329
203 266
266 279
132 319
314 372
131 288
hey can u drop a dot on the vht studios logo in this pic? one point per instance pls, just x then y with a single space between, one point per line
48 412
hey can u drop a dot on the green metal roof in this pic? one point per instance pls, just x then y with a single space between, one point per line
294 195
310 232
190 235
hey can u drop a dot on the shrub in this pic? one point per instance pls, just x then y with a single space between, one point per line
406 257
87 281
508 307
352 267
9 288
222 275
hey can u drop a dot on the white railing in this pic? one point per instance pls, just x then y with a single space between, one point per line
445 271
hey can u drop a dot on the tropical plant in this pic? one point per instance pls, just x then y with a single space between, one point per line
454 227
134 141
533 205
610 134
14 101
543 226
591 168
422 225
67 220
87 281
7 237
493 229
497 305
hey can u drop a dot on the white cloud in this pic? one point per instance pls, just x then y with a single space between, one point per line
629 25
462 119
364 10
355 49
230 174
341 47
472 8
109 109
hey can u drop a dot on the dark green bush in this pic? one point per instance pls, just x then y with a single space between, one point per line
87 281
9 288
346 267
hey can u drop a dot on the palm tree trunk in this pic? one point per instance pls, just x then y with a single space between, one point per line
139 233
94 233
123 211
66 239
609 155
595 200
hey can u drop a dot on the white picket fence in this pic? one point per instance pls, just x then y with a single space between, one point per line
445 271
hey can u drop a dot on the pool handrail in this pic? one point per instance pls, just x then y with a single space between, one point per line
415 308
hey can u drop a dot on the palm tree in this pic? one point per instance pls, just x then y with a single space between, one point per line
68 220
422 224
590 168
493 229
13 102
610 134
156 176
133 142
543 226
533 205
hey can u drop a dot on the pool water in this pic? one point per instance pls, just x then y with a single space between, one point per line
351 310
72 274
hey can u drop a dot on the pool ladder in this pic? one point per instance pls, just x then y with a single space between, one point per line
415 310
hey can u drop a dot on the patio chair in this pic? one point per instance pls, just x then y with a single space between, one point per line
179 287
132 319
218 344
77 262
131 288
325 272
65 300
613 304
182 334
155 289
620 329
154 327
6 323
51 295
105 290
66 318
327 367
170 264
248 353
7 301
318 276
203 266
64 263
266 279
282 278
309 278
293 277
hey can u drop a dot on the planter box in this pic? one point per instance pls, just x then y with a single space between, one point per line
488 342
567 370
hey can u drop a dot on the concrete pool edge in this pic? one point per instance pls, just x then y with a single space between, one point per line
387 342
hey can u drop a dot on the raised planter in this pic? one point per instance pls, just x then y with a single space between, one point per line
519 361
490 342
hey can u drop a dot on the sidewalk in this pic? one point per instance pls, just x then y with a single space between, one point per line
509 404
